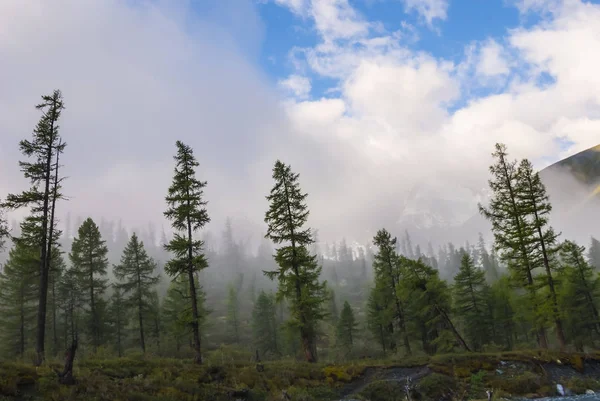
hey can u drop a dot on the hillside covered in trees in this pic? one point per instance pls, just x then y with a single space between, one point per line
99 291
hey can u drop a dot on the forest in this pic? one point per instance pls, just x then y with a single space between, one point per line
99 292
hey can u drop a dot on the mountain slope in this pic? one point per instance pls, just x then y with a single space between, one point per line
583 166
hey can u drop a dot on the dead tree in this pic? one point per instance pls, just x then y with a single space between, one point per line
66 376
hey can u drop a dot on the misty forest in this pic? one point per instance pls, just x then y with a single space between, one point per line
79 295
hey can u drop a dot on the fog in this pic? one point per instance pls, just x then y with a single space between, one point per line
400 143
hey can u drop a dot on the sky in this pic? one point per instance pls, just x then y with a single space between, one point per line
386 108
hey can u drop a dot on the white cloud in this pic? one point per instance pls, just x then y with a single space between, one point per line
429 10
298 85
491 61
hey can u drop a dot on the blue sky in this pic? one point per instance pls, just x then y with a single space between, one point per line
466 21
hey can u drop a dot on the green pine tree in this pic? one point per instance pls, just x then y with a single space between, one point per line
333 309
18 293
88 257
580 295
298 272
44 148
187 213
346 327
513 233
118 318
57 268
137 281
534 201
387 271
503 313
233 314
264 325
380 316
71 298
470 301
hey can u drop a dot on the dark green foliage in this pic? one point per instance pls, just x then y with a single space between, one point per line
579 296
89 261
386 268
513 233
346 327
535 205
333 308
188 214
18 293
380 317
118 319
298 272
264 325
470 291
503 314
44 148
137 281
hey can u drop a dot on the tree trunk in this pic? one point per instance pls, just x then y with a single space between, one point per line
66 377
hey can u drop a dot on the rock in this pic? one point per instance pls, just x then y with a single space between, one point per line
589 392
560 389
559 361
499 371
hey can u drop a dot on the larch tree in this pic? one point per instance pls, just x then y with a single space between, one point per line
514 235
298 272
470 302
346 327
71 299
581 291
89 259
387 271
380 316
137 280
18 292
57 268
264 325
535 203
44 148
187 213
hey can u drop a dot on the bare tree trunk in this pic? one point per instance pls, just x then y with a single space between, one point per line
66 376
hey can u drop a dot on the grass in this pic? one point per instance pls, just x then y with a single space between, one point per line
231 372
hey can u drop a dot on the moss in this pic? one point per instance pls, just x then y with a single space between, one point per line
526 383
383 391
438 387
579 385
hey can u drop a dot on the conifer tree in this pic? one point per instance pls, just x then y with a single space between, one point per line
580 294
470 302
18 292
534 202
175 322
503 314
187 213
298 272
71 299
346 327
264 324
387 271
594 253
44 148
233 314
137 281
380 316
88 257
513 233
57 267
333 308
118 318
154 316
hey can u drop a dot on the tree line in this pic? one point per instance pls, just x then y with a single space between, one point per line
530 289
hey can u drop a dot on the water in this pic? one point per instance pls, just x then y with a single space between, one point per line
584 397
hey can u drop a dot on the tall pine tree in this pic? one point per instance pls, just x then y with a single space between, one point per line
118 318
264 324
137 281
233 313
346 327
44 148
387 272
298 272
470 301
535 203
513 233
88 257
187 213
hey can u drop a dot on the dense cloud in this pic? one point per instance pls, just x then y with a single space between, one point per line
402 135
